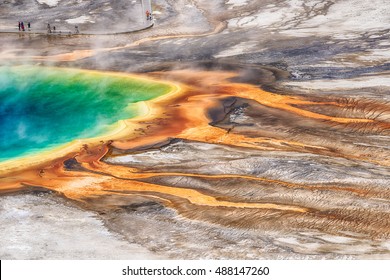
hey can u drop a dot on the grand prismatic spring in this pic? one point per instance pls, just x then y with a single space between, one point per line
42 108
230 129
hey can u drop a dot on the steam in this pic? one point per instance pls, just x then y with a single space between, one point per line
92 17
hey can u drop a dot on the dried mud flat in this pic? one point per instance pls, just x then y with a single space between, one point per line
276 147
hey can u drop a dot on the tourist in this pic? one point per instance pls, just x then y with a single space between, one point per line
48 28
76 29
29 26
54 29
19 25
147 15
22 25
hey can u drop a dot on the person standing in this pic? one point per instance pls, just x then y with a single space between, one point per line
19 25
48 28
22 25
29 26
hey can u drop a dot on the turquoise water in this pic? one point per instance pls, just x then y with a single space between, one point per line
42 108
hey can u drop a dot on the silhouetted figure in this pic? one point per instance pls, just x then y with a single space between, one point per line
54 29
29 26
48 28
19 25
76 29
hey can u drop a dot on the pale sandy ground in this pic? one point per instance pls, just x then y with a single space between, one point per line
45 227
51 3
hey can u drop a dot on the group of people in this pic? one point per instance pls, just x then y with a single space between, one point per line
51 29
54 30
22 27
